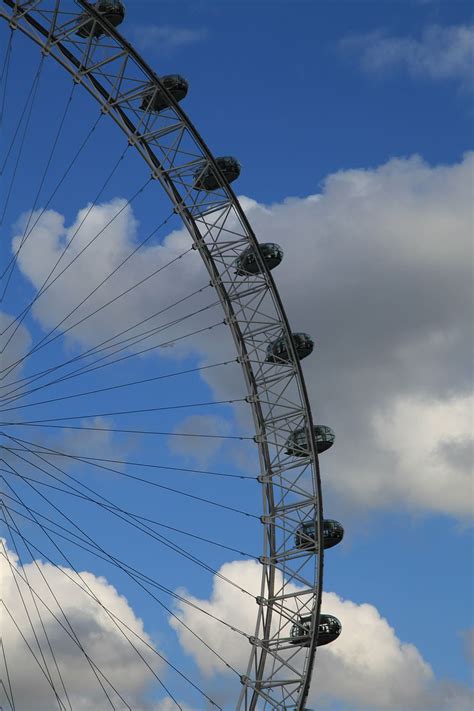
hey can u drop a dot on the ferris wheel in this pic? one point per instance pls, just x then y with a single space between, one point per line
74 335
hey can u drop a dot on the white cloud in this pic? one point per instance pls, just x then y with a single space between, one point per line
431 441
162 39
197 449
15 342
100 442
377 269
228 604
440 52
98 635
41 448
367 667
102 238
170 705
468 638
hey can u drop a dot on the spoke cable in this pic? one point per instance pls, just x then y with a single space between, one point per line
118 564
46 284
43 344
85 370
35 604
43 341
19 122
118 386
61 705
134 520
11 699
62 179
73 637
72 634
123 474
132 572
44 670
83 458
6 692
42 423
98 348
38 192
115 619
163 408
4 81
112 615
91 367
156 523
130 518
36 82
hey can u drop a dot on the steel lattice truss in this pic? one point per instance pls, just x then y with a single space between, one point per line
279 673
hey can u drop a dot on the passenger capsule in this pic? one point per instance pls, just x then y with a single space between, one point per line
306 535
155 99
297 442
247 262
329 629
206 179
112 10
278 352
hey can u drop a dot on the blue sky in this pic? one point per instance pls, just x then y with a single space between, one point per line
289 64
353 122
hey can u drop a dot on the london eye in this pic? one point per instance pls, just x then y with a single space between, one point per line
101 344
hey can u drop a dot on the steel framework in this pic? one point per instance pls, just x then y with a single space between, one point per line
279 672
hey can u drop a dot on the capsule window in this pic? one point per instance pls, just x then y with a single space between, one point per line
247 262
207 179
279 352
297 443
112 10
156 100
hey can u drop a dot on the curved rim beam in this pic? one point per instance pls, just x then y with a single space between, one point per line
278 672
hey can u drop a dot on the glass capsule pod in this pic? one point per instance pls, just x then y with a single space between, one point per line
278 352
329 629
206 178
155 99
306 535
297 442
112 10
247 263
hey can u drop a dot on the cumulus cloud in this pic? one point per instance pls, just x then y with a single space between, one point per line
431 441
97 442
101 240
15 342
386 254
368 666
440 53
228 604
98 636
200 450
377 269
